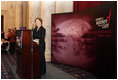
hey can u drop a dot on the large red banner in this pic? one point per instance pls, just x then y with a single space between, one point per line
85 39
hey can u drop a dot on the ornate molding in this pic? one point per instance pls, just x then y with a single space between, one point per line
3 12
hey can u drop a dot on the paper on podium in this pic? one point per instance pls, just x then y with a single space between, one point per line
37 42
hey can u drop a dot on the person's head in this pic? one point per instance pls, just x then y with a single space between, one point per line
38 21
12 30
9 30
15 28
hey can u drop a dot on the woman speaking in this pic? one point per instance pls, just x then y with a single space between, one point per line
39 35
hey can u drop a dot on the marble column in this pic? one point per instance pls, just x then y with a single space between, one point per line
34 12
18 19
26 14
8 21
47 8
64 6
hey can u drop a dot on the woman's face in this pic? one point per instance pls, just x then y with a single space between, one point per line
38 23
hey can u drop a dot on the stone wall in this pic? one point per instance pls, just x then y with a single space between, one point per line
23 13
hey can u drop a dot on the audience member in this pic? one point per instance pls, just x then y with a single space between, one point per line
12 42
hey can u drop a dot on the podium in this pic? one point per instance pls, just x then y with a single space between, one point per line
28 55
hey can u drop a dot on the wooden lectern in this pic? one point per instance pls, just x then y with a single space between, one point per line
28 55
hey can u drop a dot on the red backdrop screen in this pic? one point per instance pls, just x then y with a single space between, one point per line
86 39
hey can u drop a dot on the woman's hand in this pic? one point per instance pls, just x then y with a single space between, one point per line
37 41
33 26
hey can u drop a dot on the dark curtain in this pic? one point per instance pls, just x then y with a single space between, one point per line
80 5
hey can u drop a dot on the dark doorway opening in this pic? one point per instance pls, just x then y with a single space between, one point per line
2 23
